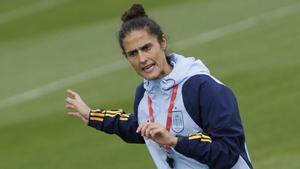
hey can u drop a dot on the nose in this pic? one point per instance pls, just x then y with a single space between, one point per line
143 58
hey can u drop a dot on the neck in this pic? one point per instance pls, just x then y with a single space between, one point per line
166 70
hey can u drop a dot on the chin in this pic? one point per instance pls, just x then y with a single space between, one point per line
150 77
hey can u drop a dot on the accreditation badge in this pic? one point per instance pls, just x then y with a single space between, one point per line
177 121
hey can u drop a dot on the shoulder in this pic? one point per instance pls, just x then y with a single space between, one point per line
205 99
140 90
139 94
203 89
202 83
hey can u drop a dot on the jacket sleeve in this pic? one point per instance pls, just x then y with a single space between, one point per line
220 143
117 122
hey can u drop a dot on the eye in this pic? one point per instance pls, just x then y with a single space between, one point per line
146 47
132 53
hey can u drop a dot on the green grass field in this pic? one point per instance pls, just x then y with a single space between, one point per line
49 46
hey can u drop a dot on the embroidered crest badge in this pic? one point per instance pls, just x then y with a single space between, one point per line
177 121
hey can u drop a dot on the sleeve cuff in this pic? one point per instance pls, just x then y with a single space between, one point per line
96 118
182 145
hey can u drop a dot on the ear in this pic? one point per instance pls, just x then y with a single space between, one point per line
163 42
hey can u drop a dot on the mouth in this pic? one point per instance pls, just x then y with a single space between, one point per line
148 68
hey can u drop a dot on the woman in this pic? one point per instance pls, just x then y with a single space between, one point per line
185 116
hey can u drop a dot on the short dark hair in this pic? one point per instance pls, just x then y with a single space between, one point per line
136 18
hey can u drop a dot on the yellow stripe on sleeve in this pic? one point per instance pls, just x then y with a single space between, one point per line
97 114
201 137
123 118
96 111
194 137
125 115
206 140
206 137
110 115
96 118
118 111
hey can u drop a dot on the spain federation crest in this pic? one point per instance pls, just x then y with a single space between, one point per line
177 121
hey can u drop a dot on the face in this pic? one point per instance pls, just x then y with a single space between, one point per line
146 54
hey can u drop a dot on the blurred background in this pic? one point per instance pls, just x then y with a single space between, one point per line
49 46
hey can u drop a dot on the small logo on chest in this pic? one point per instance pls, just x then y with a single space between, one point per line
177 121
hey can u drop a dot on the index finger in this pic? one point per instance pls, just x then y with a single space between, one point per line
72 93
140 127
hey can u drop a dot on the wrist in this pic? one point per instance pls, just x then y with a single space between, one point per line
174 141
86 113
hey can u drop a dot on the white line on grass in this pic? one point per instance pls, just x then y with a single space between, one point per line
236 27
29 10
98 72
48 88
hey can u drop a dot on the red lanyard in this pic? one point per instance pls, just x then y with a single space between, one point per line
169 118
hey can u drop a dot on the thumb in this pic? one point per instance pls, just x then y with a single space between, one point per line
77 114
74 114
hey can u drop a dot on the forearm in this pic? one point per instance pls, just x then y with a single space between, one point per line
218 154
115 122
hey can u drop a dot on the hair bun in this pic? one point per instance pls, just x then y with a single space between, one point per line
136 10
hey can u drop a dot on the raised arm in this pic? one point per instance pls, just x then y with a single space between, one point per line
110 121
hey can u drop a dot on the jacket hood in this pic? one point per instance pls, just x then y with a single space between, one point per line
183 68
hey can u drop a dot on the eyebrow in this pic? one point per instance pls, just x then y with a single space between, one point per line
147 44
